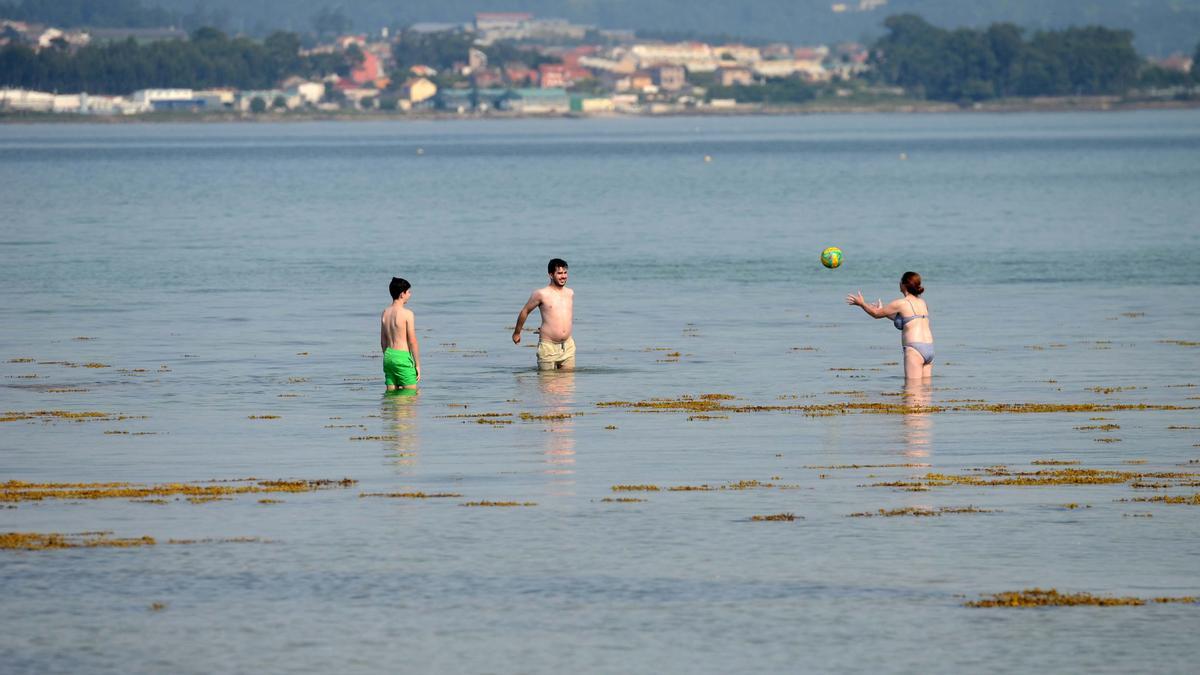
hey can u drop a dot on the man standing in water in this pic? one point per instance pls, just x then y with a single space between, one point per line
398 339
556 348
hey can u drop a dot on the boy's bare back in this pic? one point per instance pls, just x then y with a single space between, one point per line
395 330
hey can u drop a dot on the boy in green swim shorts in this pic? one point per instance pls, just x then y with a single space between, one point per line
398 339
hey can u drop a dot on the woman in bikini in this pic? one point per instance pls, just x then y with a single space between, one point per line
910 315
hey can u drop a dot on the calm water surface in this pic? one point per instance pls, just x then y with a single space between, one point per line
229 271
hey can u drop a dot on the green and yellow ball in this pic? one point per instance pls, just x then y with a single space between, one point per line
831 257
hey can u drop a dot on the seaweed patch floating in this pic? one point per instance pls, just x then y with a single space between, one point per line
1112 390
1001 476
487 503
623 500
548 417
411 495
20 491
40 541
1193 500
918 511
732 485
68 415
774 518
709 403
867 466
262 417
1037 597
1054 462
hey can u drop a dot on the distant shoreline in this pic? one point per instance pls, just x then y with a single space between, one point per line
905 106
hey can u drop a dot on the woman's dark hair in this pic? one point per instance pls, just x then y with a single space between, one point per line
911 281
398 286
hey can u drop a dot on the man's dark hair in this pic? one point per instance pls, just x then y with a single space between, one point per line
398 286
554 264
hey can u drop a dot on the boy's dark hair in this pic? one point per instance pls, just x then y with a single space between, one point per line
398 286
554 264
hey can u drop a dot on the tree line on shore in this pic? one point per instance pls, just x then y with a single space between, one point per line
969 64
208 59
959 65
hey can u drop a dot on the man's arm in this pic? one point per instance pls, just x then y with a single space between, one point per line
414 347
534 300
383 338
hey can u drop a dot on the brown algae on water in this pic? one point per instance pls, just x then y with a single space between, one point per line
918 511
1192 500
21 491
411 495
732 485
40 541
623 500
502 504
548 417
868 466
775 517
1001 476
1037 597
715 403
52 415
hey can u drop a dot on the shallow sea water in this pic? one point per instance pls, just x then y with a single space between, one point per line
228 271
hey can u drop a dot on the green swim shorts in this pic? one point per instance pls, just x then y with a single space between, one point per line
398 368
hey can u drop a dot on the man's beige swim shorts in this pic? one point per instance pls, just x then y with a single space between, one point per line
550 354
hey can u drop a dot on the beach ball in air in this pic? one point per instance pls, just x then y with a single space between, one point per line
831 257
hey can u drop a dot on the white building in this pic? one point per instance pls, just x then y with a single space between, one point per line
26 100
151 96
310 93
740 53
66 103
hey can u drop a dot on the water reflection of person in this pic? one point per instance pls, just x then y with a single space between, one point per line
399 412
557 390
918 422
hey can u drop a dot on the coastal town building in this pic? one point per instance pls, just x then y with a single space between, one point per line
537 101
309 93
616 73
669 78
728 77
418 89
492 27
